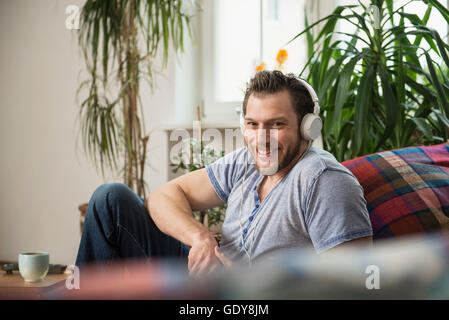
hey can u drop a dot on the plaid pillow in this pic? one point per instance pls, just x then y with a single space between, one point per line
406 190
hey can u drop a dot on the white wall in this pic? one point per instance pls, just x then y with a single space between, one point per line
44 177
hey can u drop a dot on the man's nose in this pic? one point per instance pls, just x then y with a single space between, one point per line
265 136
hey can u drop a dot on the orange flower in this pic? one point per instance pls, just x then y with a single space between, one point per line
261 67
282 56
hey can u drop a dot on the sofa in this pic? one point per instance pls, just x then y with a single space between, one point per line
406 190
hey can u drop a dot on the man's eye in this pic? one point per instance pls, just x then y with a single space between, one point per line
251 123
278 124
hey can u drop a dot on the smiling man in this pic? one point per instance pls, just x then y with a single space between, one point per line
282 194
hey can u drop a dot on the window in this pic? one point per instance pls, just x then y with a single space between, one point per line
239 35
436 21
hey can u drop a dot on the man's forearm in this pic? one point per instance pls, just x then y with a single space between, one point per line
171 212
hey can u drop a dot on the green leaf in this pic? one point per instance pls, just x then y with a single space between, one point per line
441 46
342 91
391 108
332 75
423 126
309 37
400 74
441 117
362 103
422 30
328 28
425 19
440 7
442 99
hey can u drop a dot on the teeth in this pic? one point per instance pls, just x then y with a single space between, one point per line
264 151
263 155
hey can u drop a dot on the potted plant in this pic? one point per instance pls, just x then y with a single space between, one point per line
119 41
383 86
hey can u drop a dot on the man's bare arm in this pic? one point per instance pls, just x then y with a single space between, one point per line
171 208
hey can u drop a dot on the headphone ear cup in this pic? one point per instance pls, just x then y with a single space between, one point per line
311 126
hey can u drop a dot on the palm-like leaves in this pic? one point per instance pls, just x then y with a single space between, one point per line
375 91
119 40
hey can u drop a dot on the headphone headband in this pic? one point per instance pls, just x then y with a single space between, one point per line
313 95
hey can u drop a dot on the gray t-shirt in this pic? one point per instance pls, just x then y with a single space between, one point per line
318 204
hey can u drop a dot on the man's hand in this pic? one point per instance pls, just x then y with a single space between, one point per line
171 208
202 256
223 258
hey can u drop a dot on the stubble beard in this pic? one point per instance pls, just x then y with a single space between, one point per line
282 162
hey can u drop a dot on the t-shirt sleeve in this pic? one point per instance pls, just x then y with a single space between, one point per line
226 172
336 210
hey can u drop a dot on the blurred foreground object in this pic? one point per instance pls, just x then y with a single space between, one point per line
407 268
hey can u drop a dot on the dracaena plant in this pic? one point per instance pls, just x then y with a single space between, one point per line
120 41
384 85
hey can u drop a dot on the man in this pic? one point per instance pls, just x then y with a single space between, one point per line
281 194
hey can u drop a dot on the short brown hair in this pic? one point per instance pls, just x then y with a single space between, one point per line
269 82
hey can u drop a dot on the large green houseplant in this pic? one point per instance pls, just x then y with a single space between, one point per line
120 41
383 86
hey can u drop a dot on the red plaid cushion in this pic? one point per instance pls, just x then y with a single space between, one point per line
406 190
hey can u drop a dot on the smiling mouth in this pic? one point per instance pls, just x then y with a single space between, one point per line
265 154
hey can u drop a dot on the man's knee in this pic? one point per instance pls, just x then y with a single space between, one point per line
112 190
110 195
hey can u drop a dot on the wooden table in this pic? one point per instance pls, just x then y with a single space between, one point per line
12 286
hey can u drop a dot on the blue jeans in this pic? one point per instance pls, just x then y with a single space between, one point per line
118 226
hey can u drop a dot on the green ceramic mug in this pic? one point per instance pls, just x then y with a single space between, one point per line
33 266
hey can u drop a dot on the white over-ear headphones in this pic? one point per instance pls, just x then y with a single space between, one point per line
311 123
